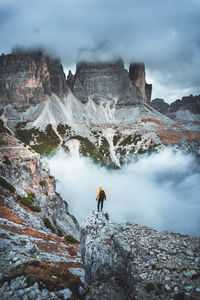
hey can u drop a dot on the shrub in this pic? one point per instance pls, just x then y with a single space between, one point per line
59 232
57 194
141 151
6 160
31 194
35 208
70 239
47 223
5 184
126 141
19 197
28 201
42 183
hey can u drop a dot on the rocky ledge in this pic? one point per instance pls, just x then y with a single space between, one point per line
128 261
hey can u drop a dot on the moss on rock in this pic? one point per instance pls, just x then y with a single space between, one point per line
6 185
47 223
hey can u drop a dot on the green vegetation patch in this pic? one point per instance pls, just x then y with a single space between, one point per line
6 185
88 149
45 142
137 138
28 201
59 231
62 129
151 149
42 183
104 148
127 141
71 239
47 223
6 160
66 148
116 139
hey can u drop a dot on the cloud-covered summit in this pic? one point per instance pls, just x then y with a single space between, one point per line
163 34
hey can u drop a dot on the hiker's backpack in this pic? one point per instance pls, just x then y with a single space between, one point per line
101 195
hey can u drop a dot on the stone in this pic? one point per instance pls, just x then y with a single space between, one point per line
167 278
66 293
167 287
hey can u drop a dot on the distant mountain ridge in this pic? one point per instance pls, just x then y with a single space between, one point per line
185 111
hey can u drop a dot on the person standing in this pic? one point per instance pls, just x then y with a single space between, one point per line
101 196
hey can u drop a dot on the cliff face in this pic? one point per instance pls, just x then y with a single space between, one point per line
28 78
127 261
110 81
40 257
138 77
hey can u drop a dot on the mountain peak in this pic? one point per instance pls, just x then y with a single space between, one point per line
107 81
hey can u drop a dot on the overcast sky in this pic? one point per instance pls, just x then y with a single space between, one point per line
165 35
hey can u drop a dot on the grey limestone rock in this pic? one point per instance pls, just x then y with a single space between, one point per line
109 81
137 261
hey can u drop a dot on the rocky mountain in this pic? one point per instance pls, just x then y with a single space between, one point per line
28 78
40 255
110 81
128 261
185 111
101 111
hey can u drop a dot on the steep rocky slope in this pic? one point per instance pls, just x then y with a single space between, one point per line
185 111
127 261
40 256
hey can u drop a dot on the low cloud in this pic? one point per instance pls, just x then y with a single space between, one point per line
161 191
163 34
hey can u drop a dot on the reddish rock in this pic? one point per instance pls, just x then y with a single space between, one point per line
138 77
27 78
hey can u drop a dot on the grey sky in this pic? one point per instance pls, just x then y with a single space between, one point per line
165 35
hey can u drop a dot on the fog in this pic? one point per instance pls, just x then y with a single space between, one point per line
162 34
161 191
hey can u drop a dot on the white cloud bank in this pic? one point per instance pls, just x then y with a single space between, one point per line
161 191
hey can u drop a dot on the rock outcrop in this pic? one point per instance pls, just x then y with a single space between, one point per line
40 256
28 78
185 111
138 77
128 261
160 105
110 81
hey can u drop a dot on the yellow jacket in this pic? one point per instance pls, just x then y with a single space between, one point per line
100 189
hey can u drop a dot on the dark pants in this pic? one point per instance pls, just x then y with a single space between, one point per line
100 201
